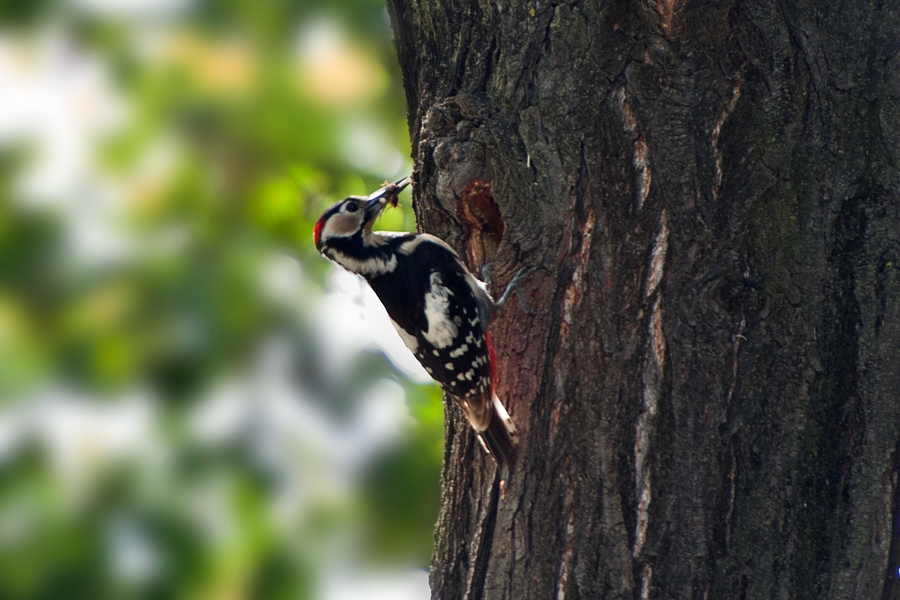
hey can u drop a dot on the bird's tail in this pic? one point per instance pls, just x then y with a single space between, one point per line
501 438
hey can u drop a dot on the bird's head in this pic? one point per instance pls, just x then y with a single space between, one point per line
355 214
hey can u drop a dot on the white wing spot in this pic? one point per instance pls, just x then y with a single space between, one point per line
461 377
449 366
459 351
441 329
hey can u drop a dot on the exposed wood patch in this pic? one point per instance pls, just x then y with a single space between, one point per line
658 340
642 165
644 427
652 387
571 298
565 565
666 9
575 291
646 577
641 151
726 112
658 255
478 212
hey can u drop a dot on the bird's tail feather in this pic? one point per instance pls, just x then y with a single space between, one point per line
501 438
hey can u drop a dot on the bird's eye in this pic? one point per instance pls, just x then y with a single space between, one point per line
352 207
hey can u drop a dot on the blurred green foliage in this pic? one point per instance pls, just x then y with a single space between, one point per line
243 120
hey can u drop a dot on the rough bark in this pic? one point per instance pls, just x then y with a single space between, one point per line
707 375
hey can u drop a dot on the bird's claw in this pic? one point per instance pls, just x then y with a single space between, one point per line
515 284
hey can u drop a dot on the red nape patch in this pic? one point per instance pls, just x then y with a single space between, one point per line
489 337
317 232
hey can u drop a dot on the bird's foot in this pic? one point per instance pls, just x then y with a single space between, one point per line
515 284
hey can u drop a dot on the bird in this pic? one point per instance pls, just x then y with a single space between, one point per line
442 312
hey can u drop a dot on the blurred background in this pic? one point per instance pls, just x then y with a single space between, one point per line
193 402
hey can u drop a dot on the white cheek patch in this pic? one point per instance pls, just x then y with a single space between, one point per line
340 226
441 329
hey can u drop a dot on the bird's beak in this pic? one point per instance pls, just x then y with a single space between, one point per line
388 194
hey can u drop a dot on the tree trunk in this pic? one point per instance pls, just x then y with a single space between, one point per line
706 377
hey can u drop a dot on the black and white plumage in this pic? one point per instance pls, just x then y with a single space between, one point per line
442 312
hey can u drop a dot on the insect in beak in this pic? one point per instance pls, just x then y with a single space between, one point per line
389 194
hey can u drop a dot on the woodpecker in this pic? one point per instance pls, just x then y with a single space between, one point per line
441 311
